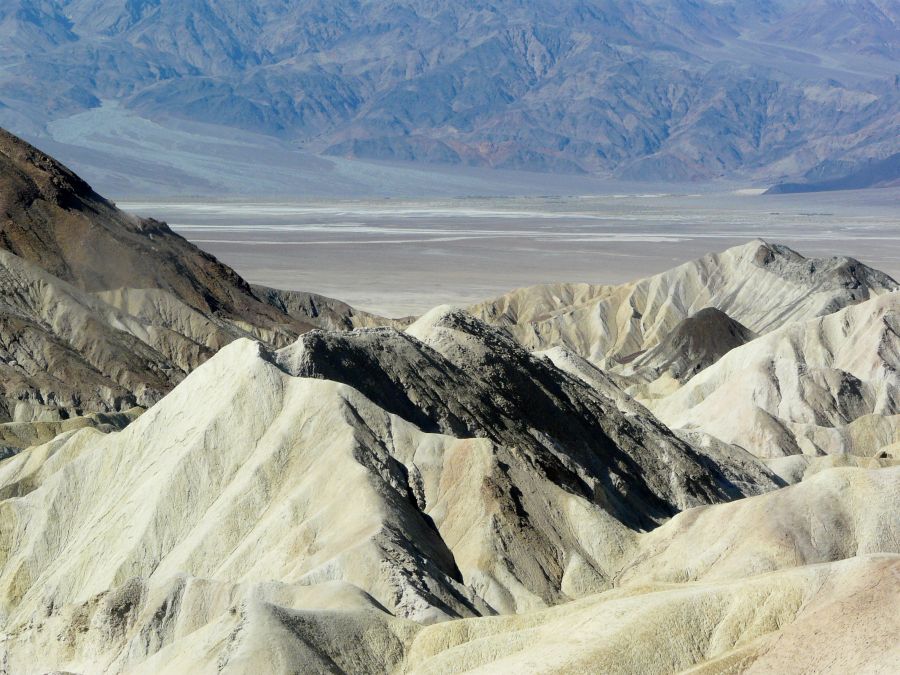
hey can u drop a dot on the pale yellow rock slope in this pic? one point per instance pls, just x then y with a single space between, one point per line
828 385
323 533
763 286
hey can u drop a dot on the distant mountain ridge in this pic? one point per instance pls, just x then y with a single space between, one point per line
658 90
881 173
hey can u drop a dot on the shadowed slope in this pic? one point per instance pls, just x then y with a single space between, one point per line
450 373
467 497
827 385
52 218
103 310
695 344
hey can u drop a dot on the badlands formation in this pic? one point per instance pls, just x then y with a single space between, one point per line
696 472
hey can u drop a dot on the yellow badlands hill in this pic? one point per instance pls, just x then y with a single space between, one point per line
695 472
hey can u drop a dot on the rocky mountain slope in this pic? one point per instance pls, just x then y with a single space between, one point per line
757 346
464 496
759 286
54 220
309 490
725 623
103 311
502 513
693 345
229 528
828 385
322 311
642 89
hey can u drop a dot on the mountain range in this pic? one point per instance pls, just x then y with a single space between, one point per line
693 472
662 90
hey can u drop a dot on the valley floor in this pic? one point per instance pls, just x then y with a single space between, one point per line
398 257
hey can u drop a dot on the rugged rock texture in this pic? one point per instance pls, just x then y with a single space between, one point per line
637 88
323 312
757 347
829 385
103 311
741 468
452 374
760 286
53 219
483 480
693 345
17 435
65 353
255 518
441 499
435 496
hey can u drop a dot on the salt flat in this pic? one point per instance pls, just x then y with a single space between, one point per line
402 257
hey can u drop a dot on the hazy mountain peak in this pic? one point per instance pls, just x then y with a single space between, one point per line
641 90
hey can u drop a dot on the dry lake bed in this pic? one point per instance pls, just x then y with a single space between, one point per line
401 257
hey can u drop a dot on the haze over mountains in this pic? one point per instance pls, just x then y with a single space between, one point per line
692 472
162 96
